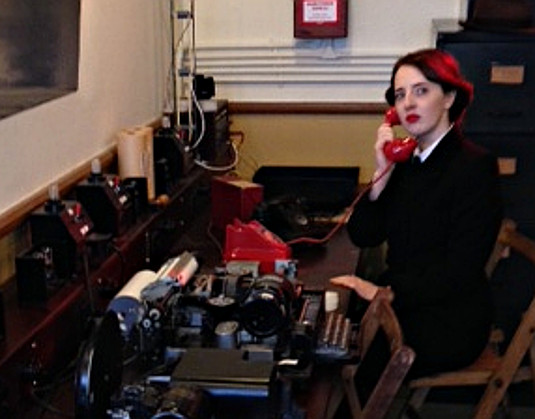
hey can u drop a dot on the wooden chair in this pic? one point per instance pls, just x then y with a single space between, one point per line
491 369
379 316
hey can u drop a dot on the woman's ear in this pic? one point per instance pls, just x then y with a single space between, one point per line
449 99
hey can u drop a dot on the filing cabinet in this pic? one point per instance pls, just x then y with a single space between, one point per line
501 66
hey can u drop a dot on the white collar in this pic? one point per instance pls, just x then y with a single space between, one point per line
423 155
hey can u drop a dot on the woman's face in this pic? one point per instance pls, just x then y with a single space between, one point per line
421 104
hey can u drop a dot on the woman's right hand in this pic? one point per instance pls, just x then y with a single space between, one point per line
385 134
383 166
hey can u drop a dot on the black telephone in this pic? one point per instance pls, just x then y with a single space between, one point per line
399 149
287 217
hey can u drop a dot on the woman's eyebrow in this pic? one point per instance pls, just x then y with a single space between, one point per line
420 84
417 84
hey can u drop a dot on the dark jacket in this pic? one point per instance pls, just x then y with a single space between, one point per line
440 220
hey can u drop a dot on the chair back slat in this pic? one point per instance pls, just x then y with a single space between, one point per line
379 316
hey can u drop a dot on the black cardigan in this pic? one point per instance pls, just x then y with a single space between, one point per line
440 220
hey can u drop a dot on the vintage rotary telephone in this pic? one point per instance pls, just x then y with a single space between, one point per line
287 217
399 149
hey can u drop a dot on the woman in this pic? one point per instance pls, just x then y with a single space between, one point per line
440 218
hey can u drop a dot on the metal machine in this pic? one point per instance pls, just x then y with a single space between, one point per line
59 231
216 345
107 201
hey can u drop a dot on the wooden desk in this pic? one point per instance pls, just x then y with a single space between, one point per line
316 266
43 339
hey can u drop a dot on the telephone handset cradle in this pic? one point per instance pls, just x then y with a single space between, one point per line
399 149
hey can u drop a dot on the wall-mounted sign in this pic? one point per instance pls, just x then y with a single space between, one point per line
320 18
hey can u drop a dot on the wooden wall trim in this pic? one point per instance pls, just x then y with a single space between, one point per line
15 216
340 108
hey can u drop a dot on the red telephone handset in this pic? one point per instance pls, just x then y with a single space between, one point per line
399 149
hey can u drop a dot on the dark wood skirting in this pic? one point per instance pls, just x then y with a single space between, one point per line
337 108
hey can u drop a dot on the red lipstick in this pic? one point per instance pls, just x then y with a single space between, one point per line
412 118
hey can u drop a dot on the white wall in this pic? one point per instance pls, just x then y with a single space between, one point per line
247 45
121 83
249 48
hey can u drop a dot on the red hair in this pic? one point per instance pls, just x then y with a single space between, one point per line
441 68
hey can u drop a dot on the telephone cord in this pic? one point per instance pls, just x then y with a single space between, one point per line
346 215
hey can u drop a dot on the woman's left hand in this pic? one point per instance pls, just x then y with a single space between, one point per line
363 288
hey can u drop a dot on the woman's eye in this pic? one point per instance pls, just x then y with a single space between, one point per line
398 96
421 90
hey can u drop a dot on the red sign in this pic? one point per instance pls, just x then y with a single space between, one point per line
320 18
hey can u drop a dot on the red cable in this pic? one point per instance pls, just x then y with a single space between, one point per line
346 216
